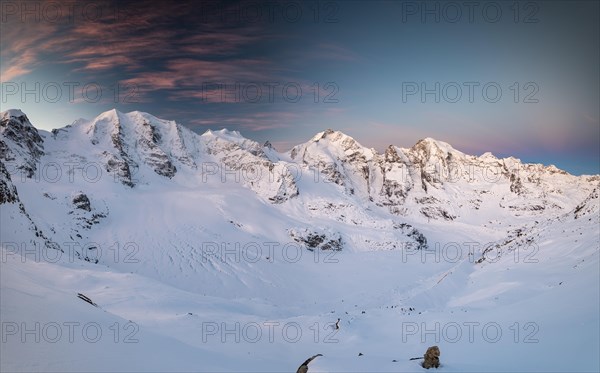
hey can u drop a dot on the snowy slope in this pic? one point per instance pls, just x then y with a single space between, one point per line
218 251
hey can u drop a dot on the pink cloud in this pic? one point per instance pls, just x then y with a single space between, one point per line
128 41
189 79
19 52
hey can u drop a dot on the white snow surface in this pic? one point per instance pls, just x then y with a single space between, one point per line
214 253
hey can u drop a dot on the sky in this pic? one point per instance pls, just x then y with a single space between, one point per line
513 78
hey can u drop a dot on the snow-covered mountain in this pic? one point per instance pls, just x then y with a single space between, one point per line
172 230
436 181
331 176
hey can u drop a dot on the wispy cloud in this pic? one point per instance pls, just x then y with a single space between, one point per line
136 41
192 79
21 47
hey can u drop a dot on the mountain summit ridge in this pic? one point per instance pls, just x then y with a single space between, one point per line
334 136
429 180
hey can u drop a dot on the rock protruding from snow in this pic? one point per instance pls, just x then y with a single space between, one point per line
17 224
82 202
8 192
21 146
151 152
83 214
317 239
420 241
590 206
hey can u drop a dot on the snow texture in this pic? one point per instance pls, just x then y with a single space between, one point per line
213 252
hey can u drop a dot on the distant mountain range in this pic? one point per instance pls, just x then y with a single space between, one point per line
82 170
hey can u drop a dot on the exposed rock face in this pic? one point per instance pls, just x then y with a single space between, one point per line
432 358
8 192
84 215
120 167
303 368
312 240
589 206
107 129
82 202
13 209
20 143
420 241
154 156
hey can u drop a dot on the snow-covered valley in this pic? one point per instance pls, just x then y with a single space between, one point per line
215 253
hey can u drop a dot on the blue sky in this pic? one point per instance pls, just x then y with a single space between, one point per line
517 79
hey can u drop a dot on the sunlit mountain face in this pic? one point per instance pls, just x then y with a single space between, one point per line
320 186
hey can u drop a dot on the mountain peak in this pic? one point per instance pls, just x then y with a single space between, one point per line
116 114
111 112
329 134
17 119
22 142
233 137
432 146
109 116
334 136
431 141
16 115
224 134
131 119
12 113
79 122
488 155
